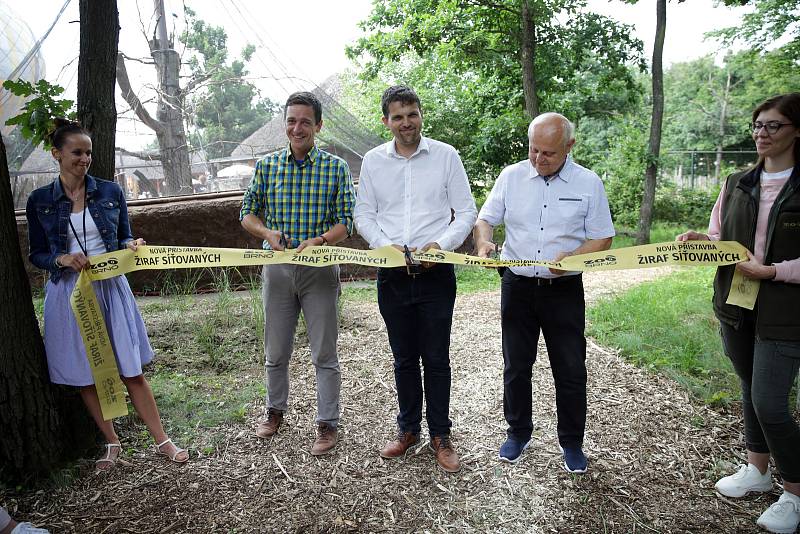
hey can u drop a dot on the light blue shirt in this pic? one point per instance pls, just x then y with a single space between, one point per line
545 217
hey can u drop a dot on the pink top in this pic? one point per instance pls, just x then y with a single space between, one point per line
771 185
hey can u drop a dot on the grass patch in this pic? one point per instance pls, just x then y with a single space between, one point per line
668 326
659 233
476 279
203 400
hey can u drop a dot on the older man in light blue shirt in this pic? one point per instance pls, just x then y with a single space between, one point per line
552 208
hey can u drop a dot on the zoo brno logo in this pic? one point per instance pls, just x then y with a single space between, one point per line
105 266
608 259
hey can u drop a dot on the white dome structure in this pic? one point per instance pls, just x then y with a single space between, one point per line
19 59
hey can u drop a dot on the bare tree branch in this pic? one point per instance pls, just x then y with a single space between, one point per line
146 156
133 100
138 59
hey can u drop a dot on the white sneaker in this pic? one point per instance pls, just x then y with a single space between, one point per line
747 479
783 516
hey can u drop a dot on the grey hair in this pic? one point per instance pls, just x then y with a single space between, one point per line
567 128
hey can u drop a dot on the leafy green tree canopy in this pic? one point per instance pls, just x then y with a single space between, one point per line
228 108
490 37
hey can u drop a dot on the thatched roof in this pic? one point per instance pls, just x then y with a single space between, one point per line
341 130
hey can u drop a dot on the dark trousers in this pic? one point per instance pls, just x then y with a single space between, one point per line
767 370
418 312
558 311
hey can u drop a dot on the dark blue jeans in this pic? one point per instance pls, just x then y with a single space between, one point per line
418 312
767 370
558 312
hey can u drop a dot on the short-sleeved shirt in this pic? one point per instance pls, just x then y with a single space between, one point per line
301 199
545 216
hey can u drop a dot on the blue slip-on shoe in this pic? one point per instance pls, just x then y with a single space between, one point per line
511 451
574 459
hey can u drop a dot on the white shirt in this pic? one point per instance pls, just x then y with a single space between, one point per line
544 218
407 201
93 242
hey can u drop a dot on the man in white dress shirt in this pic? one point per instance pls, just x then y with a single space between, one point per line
413 193
552 208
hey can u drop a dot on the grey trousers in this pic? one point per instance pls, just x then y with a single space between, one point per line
287 290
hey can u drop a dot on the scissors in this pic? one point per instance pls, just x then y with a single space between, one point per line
412 265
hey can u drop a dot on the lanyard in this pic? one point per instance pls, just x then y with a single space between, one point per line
75 233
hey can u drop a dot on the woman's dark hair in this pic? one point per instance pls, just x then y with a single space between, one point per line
63 129
787 105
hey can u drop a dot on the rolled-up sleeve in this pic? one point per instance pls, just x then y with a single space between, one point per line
345 198
253 200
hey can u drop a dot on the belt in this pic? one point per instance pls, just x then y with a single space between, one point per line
553 281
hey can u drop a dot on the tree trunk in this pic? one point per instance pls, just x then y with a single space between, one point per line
99 37
35 435
528 60
172 138
654 149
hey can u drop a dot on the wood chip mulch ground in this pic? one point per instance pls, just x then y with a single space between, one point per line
654 455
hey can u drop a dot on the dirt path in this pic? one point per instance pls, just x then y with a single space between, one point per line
653 453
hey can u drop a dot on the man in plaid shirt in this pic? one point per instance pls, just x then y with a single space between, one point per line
300 197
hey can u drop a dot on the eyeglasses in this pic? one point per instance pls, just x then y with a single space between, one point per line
772 127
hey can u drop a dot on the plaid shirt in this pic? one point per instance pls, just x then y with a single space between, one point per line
301 200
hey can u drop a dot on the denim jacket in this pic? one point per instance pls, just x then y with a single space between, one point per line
48 213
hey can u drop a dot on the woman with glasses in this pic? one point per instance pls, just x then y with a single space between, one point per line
760 208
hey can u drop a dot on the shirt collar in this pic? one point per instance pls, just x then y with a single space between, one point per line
58 191
310 158
424 146
563 173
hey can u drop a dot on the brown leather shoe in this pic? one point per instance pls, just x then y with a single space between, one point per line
400 445
268 428
326 439
446 456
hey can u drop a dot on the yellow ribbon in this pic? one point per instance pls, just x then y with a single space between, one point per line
101 355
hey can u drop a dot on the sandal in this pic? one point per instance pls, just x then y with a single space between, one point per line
174 456
107 461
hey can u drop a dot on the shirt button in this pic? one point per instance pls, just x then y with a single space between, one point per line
541 229
545 205
538 251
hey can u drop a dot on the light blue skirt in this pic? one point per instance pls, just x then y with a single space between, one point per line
66 353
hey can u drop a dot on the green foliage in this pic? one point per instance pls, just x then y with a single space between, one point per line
688 207
708 106
659 233
36 119
771 21
623 172
668 326
228 108
485 37
463 58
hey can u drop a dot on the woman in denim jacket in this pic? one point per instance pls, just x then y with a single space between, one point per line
74 217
